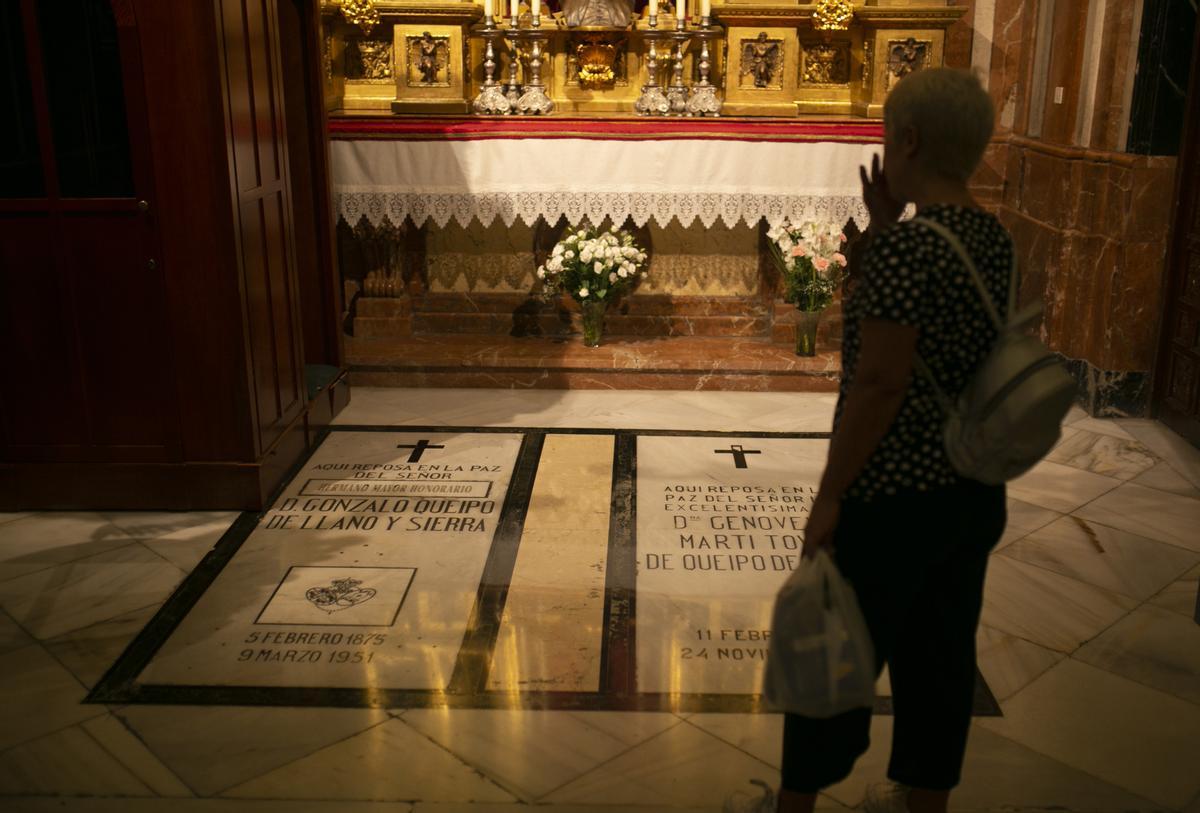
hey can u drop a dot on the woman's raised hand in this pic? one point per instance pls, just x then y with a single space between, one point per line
883 208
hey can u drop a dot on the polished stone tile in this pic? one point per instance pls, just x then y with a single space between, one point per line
213 748
998 775
1164 478
90 651
759 735
77 594
133 754
1023 519
469 807
1150 513
630 728
40 696
1074 415
476 807
1009 663
182 538
69 762
1135 737
1001 774
1103 454
1152 646
613 409
1106 557
551 632
682 766
1182 456
715 543
388 762
1058 487
1046 608
30 804
11 634
1102 426
1181 595
39 541
529 753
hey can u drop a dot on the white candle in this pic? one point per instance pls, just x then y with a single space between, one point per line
653 8
536 8
705 8
680 9
489 10
514 8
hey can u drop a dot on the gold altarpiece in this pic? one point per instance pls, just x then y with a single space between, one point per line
767 59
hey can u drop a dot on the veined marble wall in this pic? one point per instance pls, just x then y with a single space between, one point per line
1090 221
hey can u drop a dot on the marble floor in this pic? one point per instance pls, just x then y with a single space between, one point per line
1087 641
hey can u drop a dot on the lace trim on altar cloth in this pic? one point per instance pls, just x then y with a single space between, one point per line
594 207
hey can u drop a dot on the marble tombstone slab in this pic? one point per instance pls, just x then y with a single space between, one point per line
481 568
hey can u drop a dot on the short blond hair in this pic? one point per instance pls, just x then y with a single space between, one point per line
953 116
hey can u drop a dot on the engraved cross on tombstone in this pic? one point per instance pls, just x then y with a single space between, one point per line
418 449
739 454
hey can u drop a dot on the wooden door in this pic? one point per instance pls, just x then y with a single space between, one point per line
83 317
1177 374
248 42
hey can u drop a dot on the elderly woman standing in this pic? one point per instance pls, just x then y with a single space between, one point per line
910 534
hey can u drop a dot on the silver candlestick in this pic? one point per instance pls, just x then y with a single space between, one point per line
704 100
512 92
677 92
534 101
491 100
652 102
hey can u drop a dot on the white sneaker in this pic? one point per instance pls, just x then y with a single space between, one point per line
746 802
886 797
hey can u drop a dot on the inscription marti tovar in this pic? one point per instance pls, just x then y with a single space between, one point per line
371 556
720 528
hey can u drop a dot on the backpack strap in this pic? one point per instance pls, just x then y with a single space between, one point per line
951 238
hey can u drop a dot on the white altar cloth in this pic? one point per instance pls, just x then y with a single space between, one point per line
509 178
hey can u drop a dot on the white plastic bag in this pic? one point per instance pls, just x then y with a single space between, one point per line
821 661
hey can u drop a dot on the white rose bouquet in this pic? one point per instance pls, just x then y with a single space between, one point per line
593 266
810 258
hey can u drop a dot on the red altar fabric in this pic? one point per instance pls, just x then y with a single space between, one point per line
473 128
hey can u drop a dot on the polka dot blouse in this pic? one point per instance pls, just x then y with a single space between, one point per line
912 276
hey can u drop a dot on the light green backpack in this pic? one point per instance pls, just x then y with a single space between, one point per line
1010 414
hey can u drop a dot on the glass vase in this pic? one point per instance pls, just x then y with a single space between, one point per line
593 322
806 332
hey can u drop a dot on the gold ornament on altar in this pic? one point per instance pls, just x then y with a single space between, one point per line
832 15
595 58
361 13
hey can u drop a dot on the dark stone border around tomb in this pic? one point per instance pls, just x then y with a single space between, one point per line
467 689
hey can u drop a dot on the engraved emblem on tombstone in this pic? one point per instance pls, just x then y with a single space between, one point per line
342 594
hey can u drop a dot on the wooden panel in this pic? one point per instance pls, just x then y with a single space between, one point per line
264 231
306 164
194 216
42 387
86 332
121 324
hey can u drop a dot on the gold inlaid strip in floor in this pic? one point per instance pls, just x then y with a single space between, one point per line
552 628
